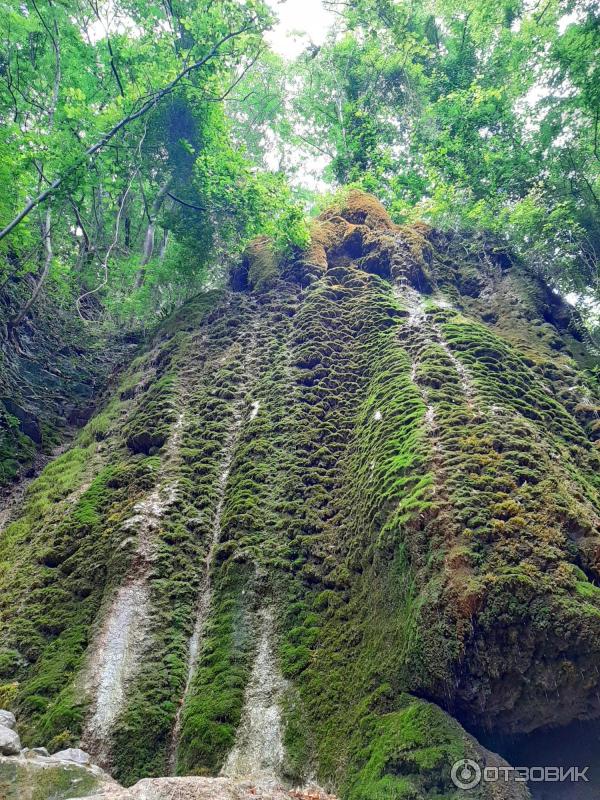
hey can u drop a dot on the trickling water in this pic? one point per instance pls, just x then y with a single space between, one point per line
146 516
258 753
413 302
206 589
417 316
465 381
254 409
116 650
116 654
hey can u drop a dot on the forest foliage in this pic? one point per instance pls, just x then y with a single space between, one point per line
162 136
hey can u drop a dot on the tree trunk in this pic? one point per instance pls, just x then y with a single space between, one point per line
46 224
47 239
163 244
148 248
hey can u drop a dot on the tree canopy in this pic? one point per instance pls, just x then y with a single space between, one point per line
469 114
143 143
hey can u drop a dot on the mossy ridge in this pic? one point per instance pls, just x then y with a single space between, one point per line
502 524
328 373
252 528
213 708
212 360
70 538
506 381
413 521
69 566
438 370
509 527
331 649
406 754
140 749
491 286
252 544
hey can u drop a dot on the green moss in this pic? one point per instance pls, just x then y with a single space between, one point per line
405 754
17 450
214 705
142 735
190 316
8 694
148 430
261 264
64 583
297 740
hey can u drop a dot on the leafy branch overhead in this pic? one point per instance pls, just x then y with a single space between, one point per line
178 119
146 106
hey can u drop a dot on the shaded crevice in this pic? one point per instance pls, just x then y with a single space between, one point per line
573 745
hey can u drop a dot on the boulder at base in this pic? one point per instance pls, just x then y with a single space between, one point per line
7 719
10 744
31 776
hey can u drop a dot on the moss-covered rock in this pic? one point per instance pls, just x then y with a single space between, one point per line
30 777
53 370
380 439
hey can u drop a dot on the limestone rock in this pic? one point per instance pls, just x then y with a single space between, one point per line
7 719
10 744
194 788
35 777
37 751
72 754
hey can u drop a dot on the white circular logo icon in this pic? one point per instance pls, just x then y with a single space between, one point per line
465 773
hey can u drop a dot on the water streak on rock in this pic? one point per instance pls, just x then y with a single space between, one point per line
115 653
240 415
258 753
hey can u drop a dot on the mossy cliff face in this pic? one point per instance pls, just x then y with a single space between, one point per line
387 445
53 370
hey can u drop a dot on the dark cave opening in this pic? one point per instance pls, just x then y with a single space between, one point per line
574 745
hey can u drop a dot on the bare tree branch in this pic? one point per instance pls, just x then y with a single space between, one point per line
183 203
107 255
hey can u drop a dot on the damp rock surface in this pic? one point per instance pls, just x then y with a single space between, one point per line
328 521
207 789
32 776
259 751
7 719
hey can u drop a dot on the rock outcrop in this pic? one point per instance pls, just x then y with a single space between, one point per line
53 370
10 744
33 774
387 448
